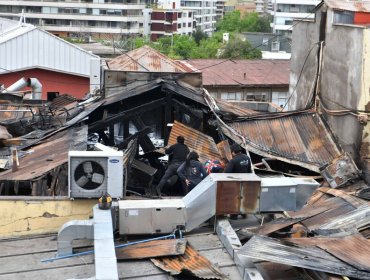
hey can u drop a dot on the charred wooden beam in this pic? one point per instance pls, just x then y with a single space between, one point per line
101 124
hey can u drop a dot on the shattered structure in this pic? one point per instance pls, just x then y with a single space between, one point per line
147 96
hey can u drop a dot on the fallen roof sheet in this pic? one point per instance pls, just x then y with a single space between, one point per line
191 262
300 138
146 59
354 6
48 155
243 72
197 141
353 249
281 251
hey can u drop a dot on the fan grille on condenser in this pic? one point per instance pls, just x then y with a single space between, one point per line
89 175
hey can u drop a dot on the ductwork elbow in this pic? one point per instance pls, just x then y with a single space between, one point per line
18 85
36 87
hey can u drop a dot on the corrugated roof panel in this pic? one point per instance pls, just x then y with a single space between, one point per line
281 251
37 48
197 141
146 59
301 138
244 72
191 262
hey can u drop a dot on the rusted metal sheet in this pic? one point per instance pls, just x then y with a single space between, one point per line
191 262
62 101
347 197
226 106
48 155
300 139
197 141
10 112
262 72
146 59
353 249
311 257
235 197
354 6
340 170
152 249
224 149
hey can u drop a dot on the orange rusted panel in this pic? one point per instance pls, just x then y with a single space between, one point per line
250 194
228 198
190 262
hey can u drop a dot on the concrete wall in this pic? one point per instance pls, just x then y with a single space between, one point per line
345 82
23 216
305 36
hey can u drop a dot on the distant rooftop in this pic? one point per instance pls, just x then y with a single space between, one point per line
146 59
261 72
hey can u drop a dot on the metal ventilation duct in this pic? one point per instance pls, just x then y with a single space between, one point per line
30 82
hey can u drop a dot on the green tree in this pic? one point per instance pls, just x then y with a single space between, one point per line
199 35
207 48
250 22
239 49
230 23
183 45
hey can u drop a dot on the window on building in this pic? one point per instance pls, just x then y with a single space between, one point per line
179 25
262 97
231 96
343 17
189 24
275 46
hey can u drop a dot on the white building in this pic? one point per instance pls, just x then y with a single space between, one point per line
285 11
264 6
205 13
99 18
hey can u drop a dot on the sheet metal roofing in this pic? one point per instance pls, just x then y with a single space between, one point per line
346 5
146 59
197 141
244 73
26 46
296 138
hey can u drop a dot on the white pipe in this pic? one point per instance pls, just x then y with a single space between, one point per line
30 82
21 83
36 87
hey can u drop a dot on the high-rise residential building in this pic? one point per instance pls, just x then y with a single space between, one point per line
286 11
95 18
220 4
164 21
264 6
205 13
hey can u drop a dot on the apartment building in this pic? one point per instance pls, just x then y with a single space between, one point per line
205 13
167 22
90 18
286 11
264 6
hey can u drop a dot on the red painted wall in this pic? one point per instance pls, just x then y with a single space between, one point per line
51 81
361 18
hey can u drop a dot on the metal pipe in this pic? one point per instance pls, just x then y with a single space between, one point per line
172 235
36 87
21 83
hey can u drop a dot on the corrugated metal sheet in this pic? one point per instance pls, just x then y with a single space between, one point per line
62 100
355 6
146 59
197 141
300 139
48 155
9 112
234 109
191 262
281 251
246 72
36 47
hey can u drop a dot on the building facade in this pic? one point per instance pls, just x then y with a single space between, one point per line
246 80
342 94
87 18
286 11
61 67
205 13
264 6
168 22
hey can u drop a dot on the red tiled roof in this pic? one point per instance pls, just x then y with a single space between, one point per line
248 73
